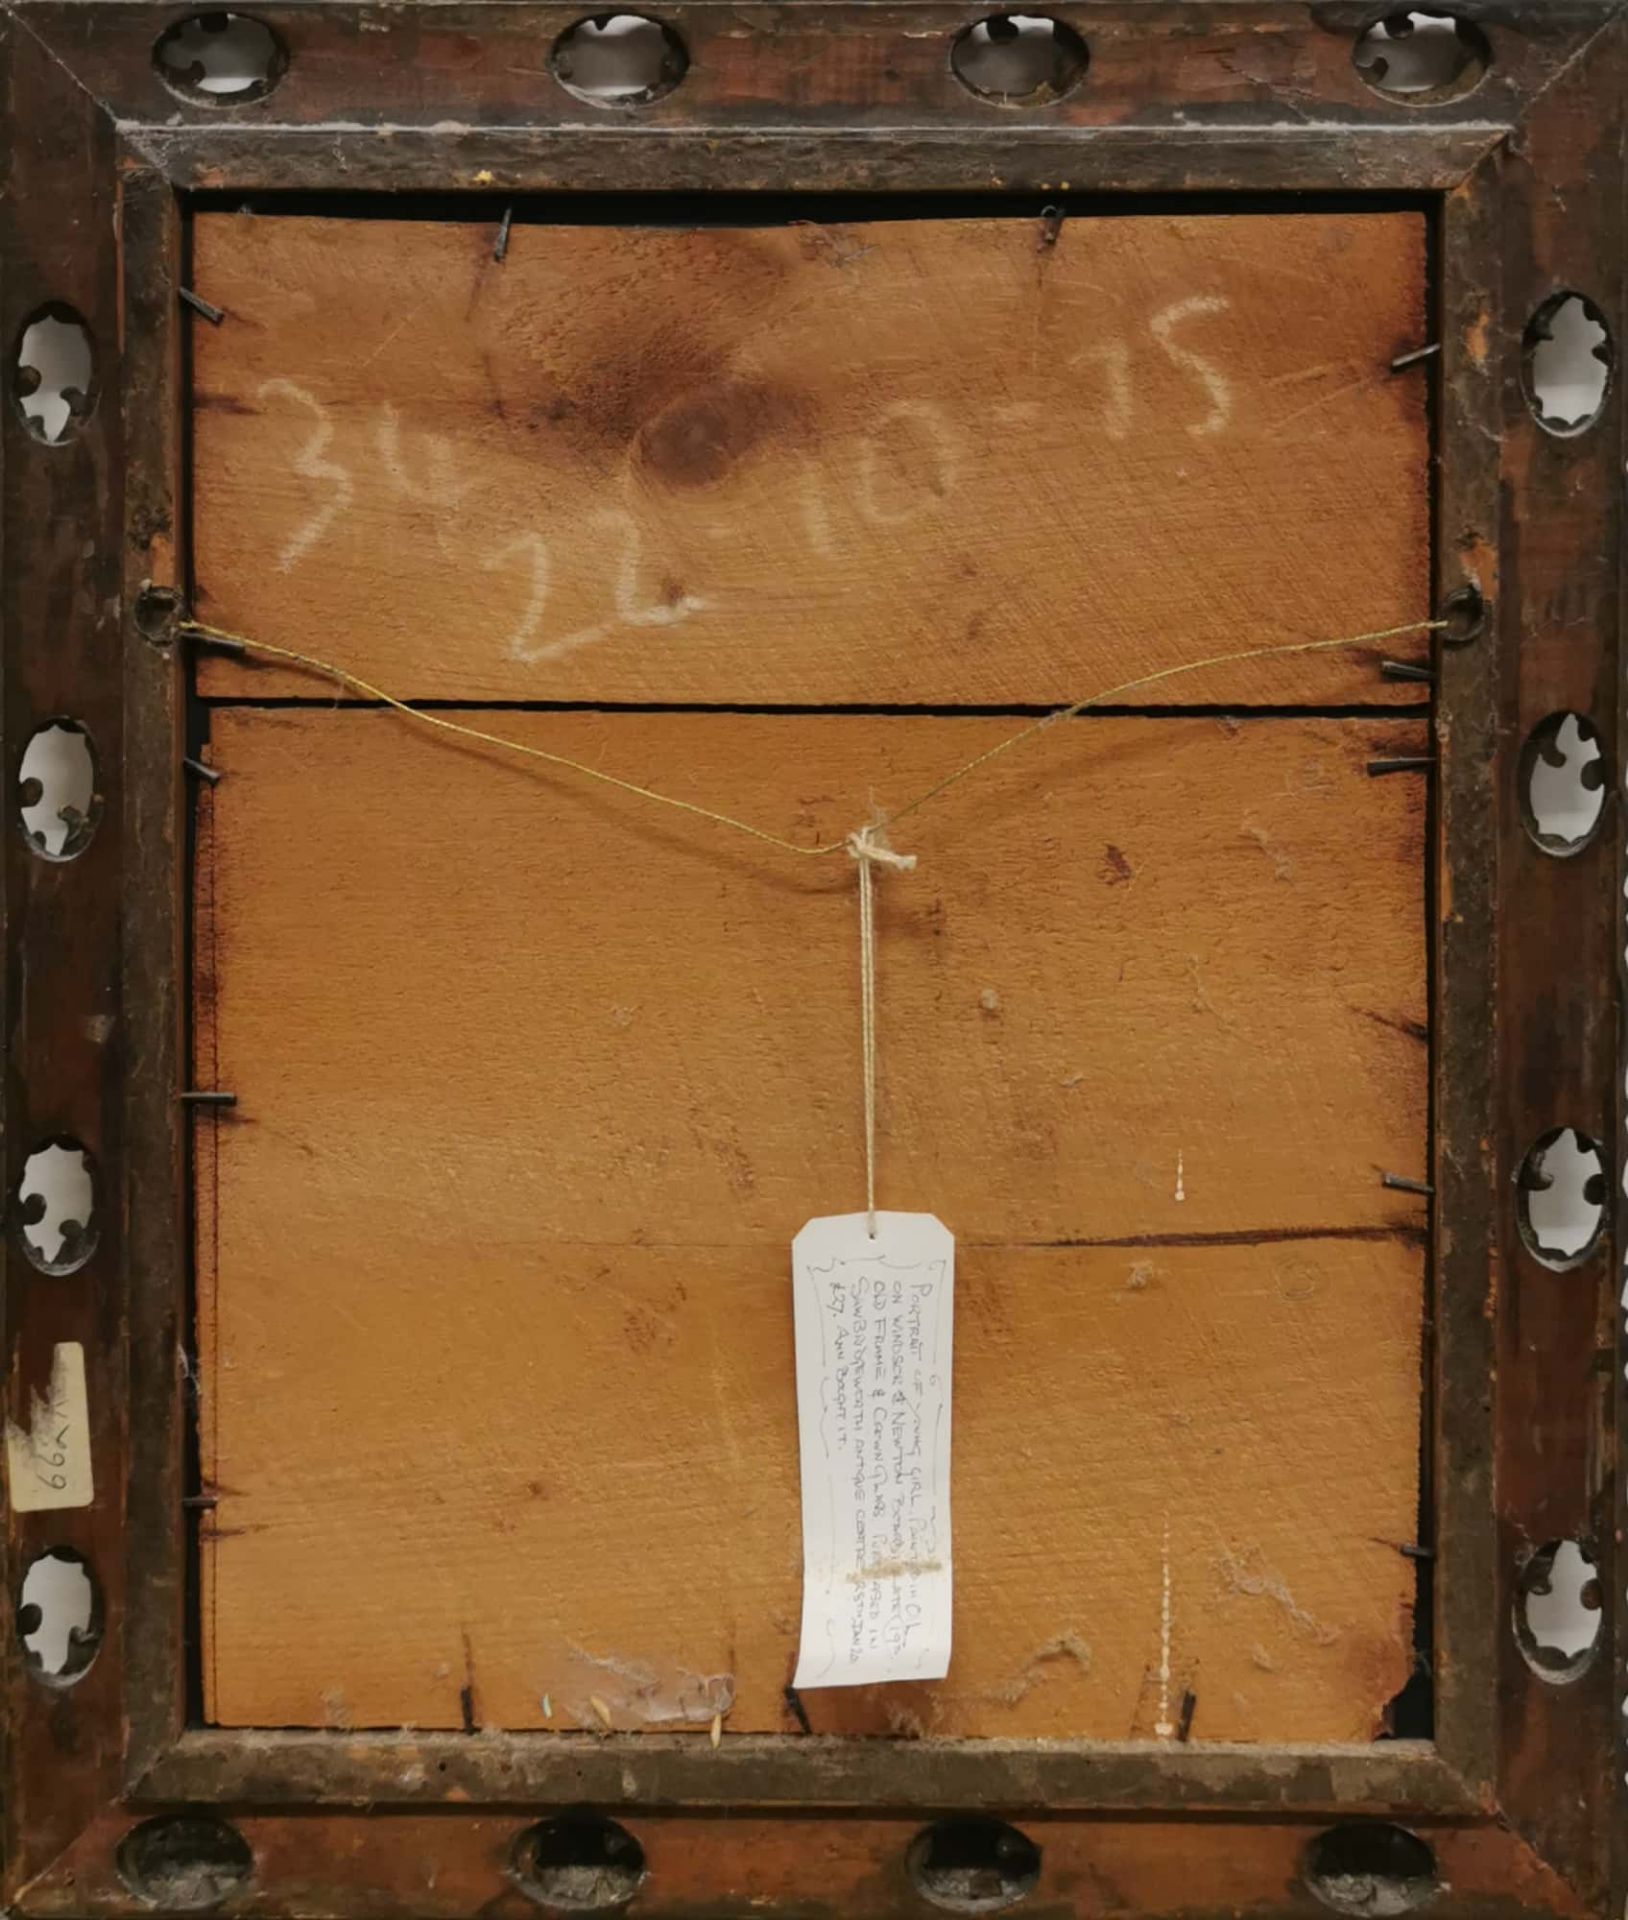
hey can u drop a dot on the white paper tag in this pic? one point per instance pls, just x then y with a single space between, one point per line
49 1465
874 1322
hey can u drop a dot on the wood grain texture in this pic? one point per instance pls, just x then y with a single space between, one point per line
926 461
536 1084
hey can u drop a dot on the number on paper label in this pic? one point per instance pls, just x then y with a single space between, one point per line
48 1466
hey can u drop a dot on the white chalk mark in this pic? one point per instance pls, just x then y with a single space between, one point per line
1164 1726
654 613
527 643
312 463
521 644
1181 1182
1164 324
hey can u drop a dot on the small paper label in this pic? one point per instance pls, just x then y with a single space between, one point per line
49 1465
874 1321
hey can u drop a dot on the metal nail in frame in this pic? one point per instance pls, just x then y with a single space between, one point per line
1515 1806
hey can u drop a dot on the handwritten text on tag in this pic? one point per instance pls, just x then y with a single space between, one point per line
874 1322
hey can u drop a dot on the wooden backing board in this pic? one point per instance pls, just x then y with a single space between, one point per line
926 461
535 1084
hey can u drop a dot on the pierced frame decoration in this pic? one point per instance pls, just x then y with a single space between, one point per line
1518 1798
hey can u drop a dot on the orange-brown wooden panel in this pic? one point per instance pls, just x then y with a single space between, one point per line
537 1082
924 461
561 1473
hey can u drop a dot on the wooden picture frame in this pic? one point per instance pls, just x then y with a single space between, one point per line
115 1802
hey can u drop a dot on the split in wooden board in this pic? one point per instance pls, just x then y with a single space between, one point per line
536 1083
929 461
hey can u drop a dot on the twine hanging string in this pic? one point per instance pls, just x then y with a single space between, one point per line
867 846
870 851
354 683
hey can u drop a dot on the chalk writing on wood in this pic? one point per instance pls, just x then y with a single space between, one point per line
909 465
906 466
311 462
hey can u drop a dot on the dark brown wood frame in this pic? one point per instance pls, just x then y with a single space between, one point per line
1520 1792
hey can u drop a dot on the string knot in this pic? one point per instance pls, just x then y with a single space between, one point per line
868 846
